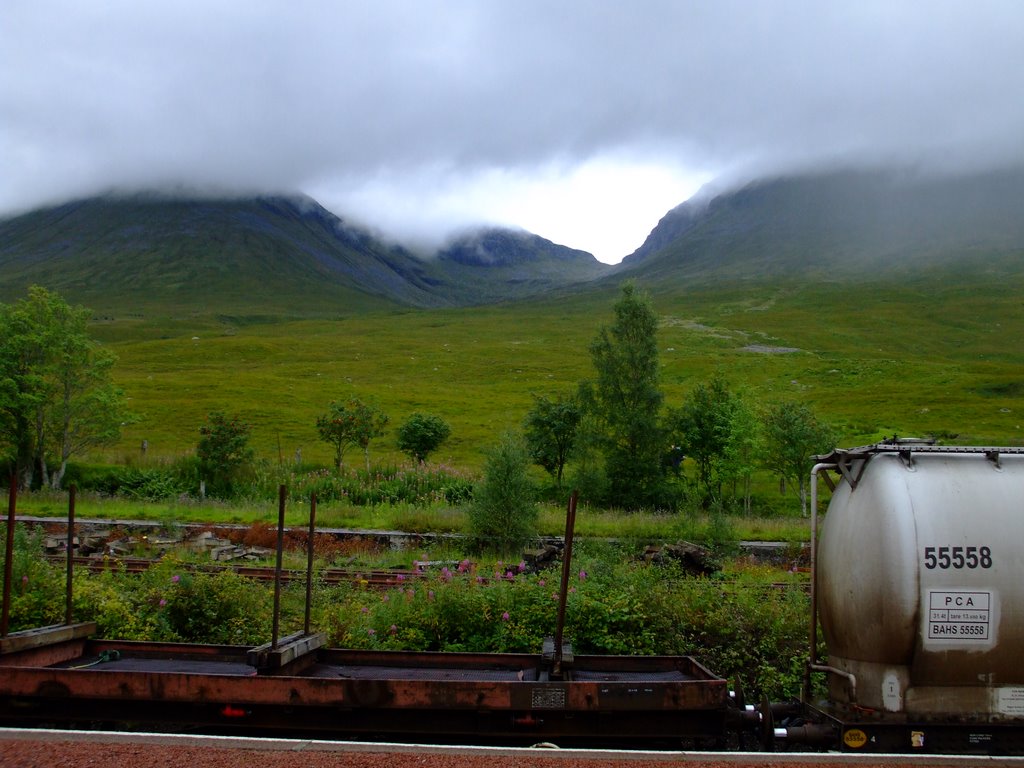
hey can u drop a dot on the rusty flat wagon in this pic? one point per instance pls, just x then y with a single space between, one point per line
63 675
303 689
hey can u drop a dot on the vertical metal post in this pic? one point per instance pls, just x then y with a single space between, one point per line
570 525
309 559
12 500
71 552
282 493
812 658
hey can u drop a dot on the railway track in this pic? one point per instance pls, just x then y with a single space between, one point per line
377 578
381 578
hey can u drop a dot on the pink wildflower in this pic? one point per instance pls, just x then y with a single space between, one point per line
583 575
505 616
371 632
522 566
394 629
364 609
510 576
541 583
401 577
430 594
175 578
162 602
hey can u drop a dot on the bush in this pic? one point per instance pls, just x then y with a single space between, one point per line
421 435
503 515
36 587
169 603
221 608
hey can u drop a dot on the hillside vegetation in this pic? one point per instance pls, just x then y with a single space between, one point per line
939 359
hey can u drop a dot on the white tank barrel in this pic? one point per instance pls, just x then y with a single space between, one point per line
920 579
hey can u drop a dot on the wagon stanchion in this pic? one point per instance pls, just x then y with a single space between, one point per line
282 493
309 559
570 525
68 609
12 501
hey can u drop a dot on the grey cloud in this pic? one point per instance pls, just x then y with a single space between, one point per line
285 96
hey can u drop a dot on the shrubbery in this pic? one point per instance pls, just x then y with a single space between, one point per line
417 485
151 483
737 626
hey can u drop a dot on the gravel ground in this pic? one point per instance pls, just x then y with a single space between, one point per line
57 751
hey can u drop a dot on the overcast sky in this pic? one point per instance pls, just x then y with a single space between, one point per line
584 121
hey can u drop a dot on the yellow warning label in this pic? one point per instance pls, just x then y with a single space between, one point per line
855 738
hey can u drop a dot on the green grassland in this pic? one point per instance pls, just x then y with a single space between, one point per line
939 353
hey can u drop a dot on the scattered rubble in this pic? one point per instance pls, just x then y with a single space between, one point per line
694 558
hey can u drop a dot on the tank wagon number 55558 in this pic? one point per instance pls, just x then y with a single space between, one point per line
957 557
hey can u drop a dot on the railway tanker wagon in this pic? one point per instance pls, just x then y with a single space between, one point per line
921 584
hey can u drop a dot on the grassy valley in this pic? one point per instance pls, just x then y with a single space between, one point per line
942 357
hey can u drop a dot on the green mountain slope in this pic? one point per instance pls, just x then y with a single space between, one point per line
148 254
270 256
839 226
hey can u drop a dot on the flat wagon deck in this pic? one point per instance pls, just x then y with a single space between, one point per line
493 698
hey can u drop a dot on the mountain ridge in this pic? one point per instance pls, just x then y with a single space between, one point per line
287 255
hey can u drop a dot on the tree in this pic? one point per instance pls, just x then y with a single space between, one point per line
550 429
705 427
793 435
421 435
57 397
626 397
88 410
351 423
744 450
503 514
223 451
